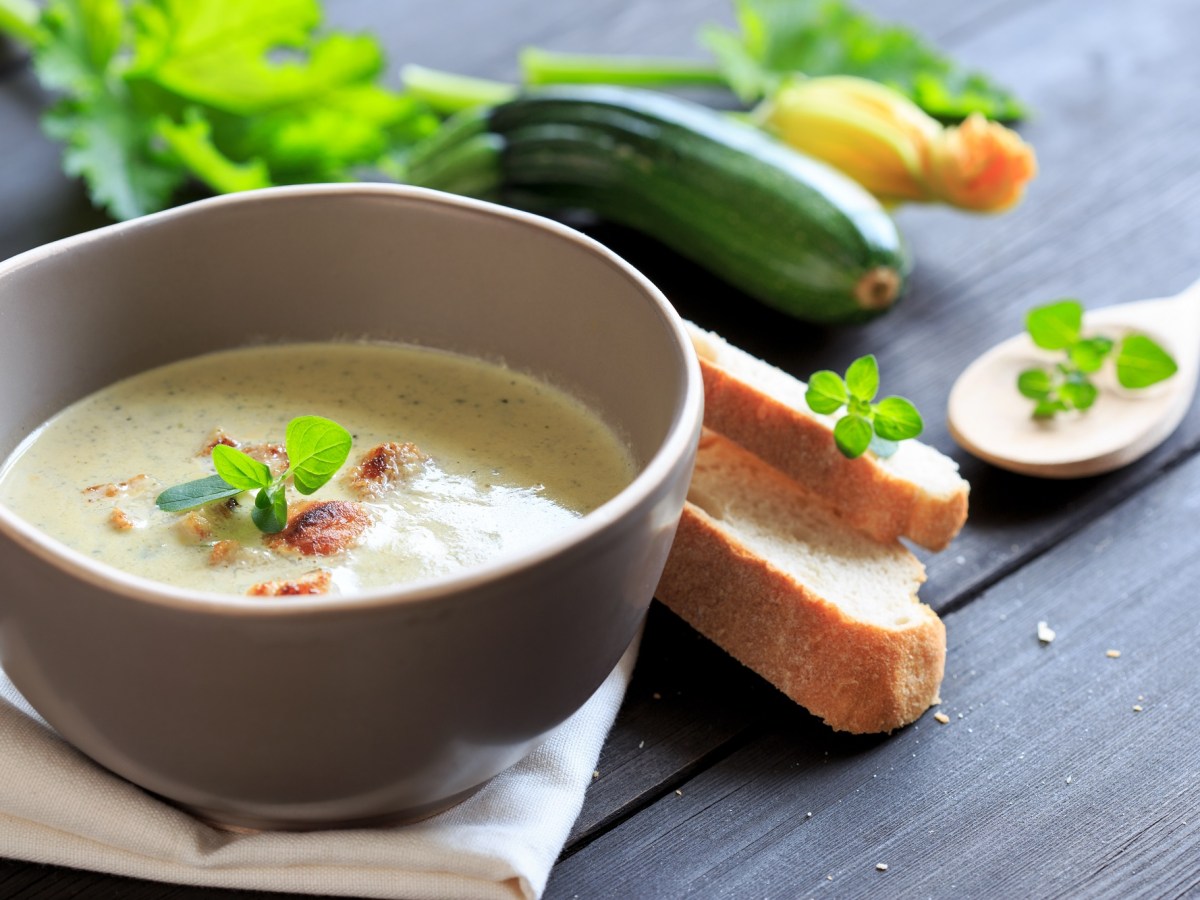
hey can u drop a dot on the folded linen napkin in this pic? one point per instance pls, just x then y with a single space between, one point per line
57 806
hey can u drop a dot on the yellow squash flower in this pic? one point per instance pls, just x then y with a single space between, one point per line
895 150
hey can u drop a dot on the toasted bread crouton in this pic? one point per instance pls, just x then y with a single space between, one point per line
112 489
316 582
321 528
383 467
224 552
119 520
273 455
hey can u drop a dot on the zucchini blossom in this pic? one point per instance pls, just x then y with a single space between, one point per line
895 150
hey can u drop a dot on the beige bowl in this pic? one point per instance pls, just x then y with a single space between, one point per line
389 704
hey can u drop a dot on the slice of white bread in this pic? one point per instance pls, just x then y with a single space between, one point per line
915 493
825 613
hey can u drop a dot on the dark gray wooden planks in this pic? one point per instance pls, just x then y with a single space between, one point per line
1046 781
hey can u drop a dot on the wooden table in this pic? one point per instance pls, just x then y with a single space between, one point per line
1046 781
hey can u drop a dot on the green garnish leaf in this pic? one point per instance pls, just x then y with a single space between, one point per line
270 509
896 419
1055 326
780 38
1078 394
1088 355
317 448
239 470
1036 384
865 426
191 494
862 378
852 434
1142 362
1048 409
826 392
1058 326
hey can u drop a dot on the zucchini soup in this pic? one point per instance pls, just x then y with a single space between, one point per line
454 462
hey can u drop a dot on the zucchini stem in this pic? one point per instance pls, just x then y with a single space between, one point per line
448 93
550 67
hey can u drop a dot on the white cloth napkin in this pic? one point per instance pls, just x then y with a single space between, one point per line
57 806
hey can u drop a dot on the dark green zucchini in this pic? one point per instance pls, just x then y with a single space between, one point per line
785 229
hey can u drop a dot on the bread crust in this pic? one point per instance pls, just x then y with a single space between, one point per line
856 676
829 616
862 491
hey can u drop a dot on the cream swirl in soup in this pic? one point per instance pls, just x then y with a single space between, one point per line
455 461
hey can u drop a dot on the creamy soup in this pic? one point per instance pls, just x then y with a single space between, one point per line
455 461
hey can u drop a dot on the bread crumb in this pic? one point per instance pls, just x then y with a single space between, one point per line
596 774
1113 654
118 520
1070 778
808 815
641 744
224 553
1137 707
678 792
1045 633
881 867
942 717
656 695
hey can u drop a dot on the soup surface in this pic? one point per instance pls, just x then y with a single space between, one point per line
455 461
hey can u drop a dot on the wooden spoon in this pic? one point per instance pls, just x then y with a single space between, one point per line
991 420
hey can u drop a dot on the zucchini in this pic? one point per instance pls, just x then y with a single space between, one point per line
785 229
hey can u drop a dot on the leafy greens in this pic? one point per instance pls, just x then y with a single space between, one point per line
234 94
780 38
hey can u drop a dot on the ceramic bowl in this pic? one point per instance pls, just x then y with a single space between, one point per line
386 705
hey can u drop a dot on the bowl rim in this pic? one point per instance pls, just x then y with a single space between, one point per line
681 436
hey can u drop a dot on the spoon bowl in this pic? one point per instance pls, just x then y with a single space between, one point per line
989 418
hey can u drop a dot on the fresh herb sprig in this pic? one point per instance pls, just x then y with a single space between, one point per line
779 39
867 425
316 449
1140 361
234 94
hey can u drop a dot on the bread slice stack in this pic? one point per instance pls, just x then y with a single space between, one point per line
788 554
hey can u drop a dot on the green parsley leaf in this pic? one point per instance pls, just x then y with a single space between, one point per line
316 448
1142 362
1055 326
239 470
826 392
192 144
896 419
187 496
235 94
779 38
862 378
852 434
